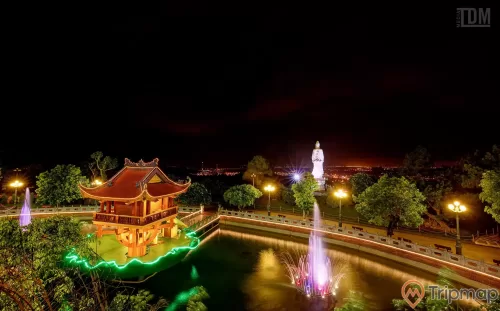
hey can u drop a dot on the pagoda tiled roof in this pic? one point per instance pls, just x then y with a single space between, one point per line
133 183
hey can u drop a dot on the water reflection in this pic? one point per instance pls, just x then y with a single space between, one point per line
268 287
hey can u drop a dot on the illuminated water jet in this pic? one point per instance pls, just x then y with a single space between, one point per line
25 217
313 273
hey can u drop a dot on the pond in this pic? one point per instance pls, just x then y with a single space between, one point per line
240 273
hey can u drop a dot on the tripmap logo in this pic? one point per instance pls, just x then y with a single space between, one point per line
410 289
470 17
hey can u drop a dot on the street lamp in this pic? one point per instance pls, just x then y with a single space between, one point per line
457 208
97 182
269 188
296 177
16 184
340 194
253 184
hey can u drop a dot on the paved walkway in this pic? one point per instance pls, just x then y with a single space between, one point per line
472 251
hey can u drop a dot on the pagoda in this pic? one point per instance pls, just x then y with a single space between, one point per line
137 205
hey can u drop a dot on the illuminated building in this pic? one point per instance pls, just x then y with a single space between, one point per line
137 205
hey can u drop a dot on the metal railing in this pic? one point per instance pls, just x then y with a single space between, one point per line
411 247
52 210
189 209
203 222
362 221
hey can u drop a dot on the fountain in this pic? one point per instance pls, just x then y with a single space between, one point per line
313 273
25 217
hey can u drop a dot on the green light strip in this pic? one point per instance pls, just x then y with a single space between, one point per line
75 259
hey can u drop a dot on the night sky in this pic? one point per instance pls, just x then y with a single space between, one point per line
221 84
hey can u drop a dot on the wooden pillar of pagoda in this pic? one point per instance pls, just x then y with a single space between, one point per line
102 207
136 240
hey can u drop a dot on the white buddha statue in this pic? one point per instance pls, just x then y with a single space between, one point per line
318 158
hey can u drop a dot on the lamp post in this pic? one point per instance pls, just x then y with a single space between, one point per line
96 183
269 188
457 208
296 177
340 194
253 184
16 184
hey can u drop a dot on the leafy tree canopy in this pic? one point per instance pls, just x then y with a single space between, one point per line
474 166
286 195
428 302
215 186
59 185
197 194
392 200
35 277
102 164
417 160
355 301
303 191
242 195
490 185
258 166
436 192
359 182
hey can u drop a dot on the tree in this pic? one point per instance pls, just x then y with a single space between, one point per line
195 301
430 302
287 195
215 187
34 277
303 191
139 302
359 182
416 161
474 166
242 195
354 302
490 185
59 185
435 194
102 164
258 166
390 201
197 194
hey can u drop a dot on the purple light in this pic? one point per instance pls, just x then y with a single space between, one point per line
296 177
313 273
25 217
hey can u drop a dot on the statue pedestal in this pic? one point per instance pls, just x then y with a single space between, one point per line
321 184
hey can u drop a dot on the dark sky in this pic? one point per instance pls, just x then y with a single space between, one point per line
220 84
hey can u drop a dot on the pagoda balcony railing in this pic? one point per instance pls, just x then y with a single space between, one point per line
134 220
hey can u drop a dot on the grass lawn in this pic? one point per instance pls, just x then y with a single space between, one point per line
110 249
156 259
348 210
